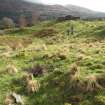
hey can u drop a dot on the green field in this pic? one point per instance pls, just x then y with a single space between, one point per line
48 45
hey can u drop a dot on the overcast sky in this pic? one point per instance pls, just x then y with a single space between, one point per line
98 5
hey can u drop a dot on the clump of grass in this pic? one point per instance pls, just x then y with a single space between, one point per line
62 56
32 85
20 54
99 100
80 57
75 78
67 104
8 100
74 69
11 69
76 99
56 55
6 54
16 46
82 51
92 83
85 102
44 47
101 79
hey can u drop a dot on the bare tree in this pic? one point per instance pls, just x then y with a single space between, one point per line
35 18
22 22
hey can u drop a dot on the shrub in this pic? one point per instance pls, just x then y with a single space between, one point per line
7 23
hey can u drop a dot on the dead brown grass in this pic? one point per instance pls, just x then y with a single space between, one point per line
92 83
46 32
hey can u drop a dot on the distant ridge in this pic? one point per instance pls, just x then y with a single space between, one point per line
14 8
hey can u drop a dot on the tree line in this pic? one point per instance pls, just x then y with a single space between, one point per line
23 21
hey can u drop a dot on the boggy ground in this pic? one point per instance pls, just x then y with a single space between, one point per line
70 68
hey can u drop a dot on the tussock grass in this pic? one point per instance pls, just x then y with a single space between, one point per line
92 83
56 51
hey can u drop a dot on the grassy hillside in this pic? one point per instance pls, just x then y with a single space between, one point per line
59 55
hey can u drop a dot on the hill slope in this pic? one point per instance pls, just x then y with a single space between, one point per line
14 8
84 12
